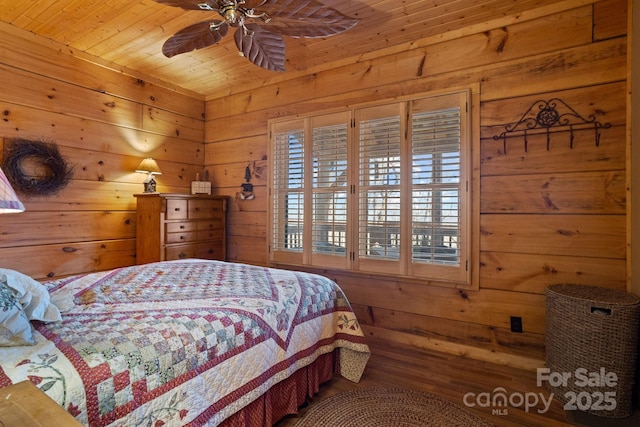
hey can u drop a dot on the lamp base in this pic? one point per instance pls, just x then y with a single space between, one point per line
150 185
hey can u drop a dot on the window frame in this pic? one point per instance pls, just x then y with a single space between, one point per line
463 276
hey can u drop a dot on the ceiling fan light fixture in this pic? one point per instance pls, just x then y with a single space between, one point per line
231 13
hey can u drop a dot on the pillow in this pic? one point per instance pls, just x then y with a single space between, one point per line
15 328
33 296
63 299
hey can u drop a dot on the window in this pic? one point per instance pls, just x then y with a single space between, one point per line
385 189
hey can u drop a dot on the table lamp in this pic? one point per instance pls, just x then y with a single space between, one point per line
149 166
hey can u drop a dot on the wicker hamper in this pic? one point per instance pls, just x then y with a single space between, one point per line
592 338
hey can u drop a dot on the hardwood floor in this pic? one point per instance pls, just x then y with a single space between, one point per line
450 377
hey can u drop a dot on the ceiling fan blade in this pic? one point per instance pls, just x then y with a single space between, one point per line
305 18
192 4
194 37
263 48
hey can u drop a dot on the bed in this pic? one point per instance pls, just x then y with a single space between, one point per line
182 343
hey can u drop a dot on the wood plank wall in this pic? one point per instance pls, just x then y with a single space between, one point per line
104 122
546 216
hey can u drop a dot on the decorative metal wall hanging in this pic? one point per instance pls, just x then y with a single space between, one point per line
552 116
53 171
247 188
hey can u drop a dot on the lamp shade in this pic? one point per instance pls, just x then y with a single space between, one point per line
149 166
9 202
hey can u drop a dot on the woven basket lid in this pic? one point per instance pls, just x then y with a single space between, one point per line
594 293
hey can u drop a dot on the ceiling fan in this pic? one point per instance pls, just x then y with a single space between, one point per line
260 25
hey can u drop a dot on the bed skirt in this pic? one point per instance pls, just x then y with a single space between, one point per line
288 395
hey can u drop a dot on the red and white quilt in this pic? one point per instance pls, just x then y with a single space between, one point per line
183 342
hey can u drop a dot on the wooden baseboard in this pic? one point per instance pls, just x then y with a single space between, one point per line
381 336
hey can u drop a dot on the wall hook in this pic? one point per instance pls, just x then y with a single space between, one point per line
547 117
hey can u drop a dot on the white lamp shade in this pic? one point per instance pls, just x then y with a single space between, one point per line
9 202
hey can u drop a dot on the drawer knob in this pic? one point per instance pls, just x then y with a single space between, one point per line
182 227
182 255
177 209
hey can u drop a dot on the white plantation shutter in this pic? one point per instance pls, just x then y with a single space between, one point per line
380 189
379 221
329 186
436 186
288 190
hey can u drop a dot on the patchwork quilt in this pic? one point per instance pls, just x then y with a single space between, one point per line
186 342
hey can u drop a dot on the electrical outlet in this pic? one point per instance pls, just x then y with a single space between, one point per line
516 324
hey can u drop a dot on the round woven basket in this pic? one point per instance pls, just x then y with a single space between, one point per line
592 340
385 407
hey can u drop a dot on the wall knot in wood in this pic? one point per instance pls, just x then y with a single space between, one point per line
547 117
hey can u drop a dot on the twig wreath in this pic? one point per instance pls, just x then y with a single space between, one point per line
53 172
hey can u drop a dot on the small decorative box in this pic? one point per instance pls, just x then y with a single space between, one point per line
200 187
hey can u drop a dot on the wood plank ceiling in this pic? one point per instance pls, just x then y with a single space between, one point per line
130 34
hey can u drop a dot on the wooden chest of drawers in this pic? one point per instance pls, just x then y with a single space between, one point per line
24 405
178 226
